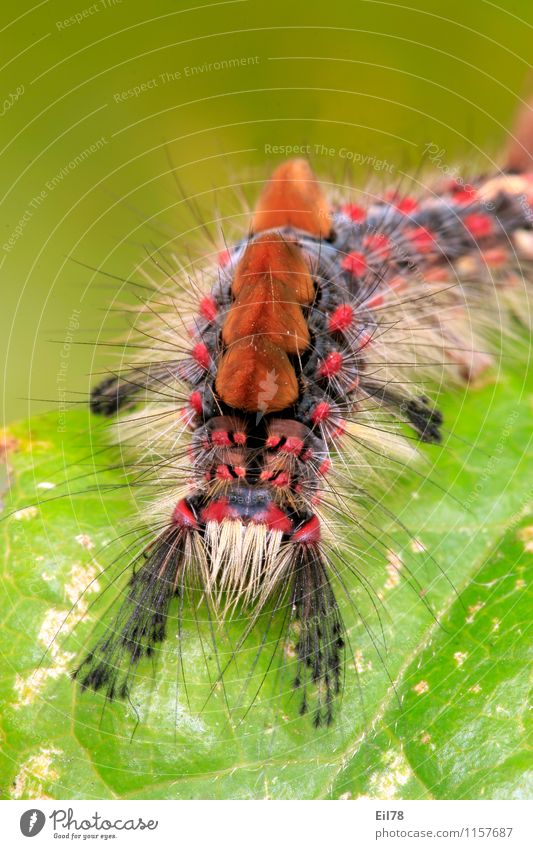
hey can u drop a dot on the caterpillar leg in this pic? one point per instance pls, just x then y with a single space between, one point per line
423 417
119 392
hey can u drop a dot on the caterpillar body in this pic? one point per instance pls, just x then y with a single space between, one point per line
323 318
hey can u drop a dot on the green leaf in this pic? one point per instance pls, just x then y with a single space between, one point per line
440 712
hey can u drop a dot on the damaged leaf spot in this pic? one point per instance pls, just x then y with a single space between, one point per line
25 514
35 773
57 624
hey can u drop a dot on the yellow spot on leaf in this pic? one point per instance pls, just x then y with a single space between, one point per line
525 535
394 565
38 770
85 541
386 783
472 610
25 514
361 665
56 625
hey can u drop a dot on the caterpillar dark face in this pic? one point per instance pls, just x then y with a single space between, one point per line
325 317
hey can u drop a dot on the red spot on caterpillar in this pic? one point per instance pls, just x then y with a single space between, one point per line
377 243
293 198
281 480
321 412
421 239
275 519
221 438
406 204
217 511
240 471
292 446
436 274
464 194
325 467
495 257
208 308
239 438
184 516
223 257
272 441
375 301
356 213
195 402
331 365
341 318
309 533
354 263
201 355
478 224
223 473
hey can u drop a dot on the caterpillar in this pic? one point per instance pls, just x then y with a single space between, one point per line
320 339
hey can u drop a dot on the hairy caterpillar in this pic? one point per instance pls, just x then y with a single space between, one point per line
321 334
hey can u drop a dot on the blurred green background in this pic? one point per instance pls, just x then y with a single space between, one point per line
98 98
